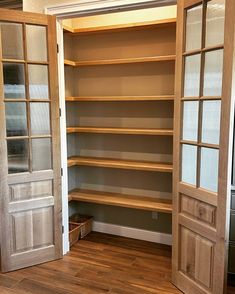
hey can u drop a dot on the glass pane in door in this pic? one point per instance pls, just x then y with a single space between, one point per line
36 50
213 73
190 120
14 80
18 156
40 118
194 28
12 41
41 149
215 14
211 121
16 119
189 164
192 76
38 81
209 169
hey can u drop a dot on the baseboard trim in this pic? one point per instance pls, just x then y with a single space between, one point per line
134 233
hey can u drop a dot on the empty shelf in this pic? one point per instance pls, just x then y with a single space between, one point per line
119 27
123 200
127 131
120 98
120 61
119 163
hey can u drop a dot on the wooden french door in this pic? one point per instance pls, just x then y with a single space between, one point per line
204 107
30 177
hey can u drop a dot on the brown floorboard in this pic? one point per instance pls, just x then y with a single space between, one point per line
99 264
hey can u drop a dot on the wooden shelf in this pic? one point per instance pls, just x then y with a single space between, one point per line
69 62
127 131
119 61
120 27
120 98
120 164
123 200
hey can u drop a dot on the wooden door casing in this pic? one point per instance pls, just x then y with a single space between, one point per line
201 217
30 204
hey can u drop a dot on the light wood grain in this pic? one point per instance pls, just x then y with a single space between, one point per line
123 200
119 27
120 98
200 225
31 229
120 61
119 163
127 131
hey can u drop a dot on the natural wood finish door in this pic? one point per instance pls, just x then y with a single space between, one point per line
202 144
30 177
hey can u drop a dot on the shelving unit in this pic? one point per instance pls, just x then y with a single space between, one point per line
124 131
120 98
120 61
119 28
120 114
119 163
122 200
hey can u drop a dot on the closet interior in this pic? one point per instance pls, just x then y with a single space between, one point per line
119 88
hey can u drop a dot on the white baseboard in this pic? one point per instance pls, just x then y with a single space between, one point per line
134 233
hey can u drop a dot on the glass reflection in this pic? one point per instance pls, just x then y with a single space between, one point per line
16 119
14 80
18 156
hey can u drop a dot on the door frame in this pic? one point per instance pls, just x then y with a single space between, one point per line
69 10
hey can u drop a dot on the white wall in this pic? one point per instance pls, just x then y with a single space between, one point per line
38 5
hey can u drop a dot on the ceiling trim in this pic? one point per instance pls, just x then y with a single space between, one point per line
92 7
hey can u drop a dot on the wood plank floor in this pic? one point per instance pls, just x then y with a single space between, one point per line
99 264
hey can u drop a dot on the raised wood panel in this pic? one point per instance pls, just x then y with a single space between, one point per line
198 210
43 227
196 257
30 190
32 229
187 252
203 261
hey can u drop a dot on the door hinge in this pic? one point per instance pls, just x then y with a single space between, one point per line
61 171
57 48
62 229
60 112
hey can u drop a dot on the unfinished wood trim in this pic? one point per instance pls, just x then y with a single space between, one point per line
55 127
180 31
121 200
31 204
198 227
206 196
127 131
119 163
21 17
191 3
30 177
225 156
